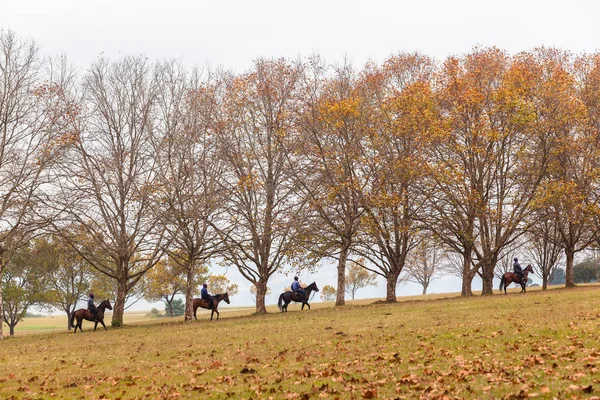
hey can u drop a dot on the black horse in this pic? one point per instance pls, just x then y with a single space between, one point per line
511 277
207 304
287 297
86 314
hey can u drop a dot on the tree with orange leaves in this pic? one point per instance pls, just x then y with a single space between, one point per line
404 120
485 172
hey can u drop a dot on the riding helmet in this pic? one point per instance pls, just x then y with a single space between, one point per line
205 285
295 278
91 294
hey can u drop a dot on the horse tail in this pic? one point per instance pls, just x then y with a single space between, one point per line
280 302
502 282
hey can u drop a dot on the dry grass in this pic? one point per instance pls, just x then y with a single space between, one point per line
543 344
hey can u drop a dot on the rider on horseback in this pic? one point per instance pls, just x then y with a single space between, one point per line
297 288
206 296
518 270
91 306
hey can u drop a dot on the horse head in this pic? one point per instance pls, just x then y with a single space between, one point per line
529 269
313 286
226 297
106 304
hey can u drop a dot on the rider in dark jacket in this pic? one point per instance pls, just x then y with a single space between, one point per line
91 306
206 296
297 288
518 270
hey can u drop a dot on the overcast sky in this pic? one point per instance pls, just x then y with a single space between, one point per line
233 33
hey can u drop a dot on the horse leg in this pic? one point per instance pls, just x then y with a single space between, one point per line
102 322
217 311
95 325
211 314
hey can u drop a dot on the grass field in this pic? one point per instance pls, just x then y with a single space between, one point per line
540 344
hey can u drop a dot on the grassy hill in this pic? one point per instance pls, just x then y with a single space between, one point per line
540 344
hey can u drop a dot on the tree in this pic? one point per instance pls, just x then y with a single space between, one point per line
567 194
22 287
263 213
188 168
544 247
329 168
67 275
108 180
586 271
167 279
31 120
423 265
328 293
220 284
175 308
358 277
405 119
485 170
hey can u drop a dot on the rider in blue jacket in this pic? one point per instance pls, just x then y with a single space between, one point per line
206 296
296 288
91 306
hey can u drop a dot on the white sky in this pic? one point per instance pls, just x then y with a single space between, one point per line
233 33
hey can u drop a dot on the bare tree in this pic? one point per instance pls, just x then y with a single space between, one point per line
188 167
425 263
544 248
31 120
108 180
264 212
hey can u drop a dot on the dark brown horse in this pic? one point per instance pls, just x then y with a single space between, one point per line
510 277
206 304
86 314
286 297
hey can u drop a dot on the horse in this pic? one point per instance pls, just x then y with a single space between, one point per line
84 313
287 297
510 277
206 304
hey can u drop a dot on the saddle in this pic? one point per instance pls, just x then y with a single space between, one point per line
298 296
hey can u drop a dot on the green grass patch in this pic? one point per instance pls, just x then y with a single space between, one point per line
540 344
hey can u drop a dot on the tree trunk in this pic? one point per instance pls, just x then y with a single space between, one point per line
390 287
189 296
1 308
467 276
1 301
261 292
341 270
69 327
569 273
12 329
488 278
119 309
544 281
341 289
424 289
